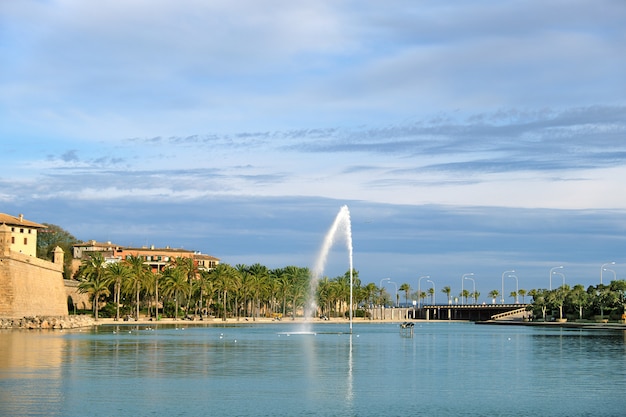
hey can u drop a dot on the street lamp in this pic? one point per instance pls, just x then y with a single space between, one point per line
551 271
381 287
474 289
516 288
502 295
395 285
561 274
434 292
463 284
602 269
419 291
614 275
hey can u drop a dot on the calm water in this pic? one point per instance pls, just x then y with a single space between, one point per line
457 369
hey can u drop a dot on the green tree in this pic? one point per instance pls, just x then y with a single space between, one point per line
494 295
431 294
93 279
176 283
579 298
258 284
118 273
224 277
51 237
207 289
369 291
522 293
465 294
556 298
447 291
407 289
475 296
138 273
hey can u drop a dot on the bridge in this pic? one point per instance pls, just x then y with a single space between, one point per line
471 312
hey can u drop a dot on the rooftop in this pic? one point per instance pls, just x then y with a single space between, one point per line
19 221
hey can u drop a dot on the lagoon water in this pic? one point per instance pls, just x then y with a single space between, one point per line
445 369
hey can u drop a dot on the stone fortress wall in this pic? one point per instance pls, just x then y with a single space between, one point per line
30 286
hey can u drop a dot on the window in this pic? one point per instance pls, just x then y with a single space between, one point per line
25 241
12 239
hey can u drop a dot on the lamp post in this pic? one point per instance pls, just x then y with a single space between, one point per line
551 271
614 275
419 291
474 287
381 287
463 284
395 285
602 269
561 274
516 288
502 295
434 292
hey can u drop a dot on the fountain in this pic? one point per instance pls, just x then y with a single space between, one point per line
341 225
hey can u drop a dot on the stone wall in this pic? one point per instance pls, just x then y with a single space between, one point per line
31 287
80 300
47 322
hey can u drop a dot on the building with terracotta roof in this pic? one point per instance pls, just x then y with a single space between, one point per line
156 258
23 233
29 286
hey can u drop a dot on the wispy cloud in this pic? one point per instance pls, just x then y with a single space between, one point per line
477 134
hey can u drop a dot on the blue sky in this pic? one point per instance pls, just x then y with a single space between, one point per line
465 137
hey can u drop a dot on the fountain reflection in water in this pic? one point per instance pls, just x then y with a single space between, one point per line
341 227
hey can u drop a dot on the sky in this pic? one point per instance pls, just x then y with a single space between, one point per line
464 137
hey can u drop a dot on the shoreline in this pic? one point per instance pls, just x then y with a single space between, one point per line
83 321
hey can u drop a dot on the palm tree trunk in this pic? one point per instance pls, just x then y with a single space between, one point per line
117 299
156 297
137 300
224 316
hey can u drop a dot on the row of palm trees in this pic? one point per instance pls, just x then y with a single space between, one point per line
579 302
447 290
225 291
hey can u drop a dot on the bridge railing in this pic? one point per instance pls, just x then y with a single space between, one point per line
508 313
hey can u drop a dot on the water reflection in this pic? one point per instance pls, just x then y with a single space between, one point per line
30 372
446 369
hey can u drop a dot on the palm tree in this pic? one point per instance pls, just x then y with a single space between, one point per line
465 294
282 287
259 276
447 291
513 295
475 296
93 279
206 289
224 276
298 288
323 296
522 293
369 292
407 289
244 278
431 293
118 273
494 295
139 270
175 283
